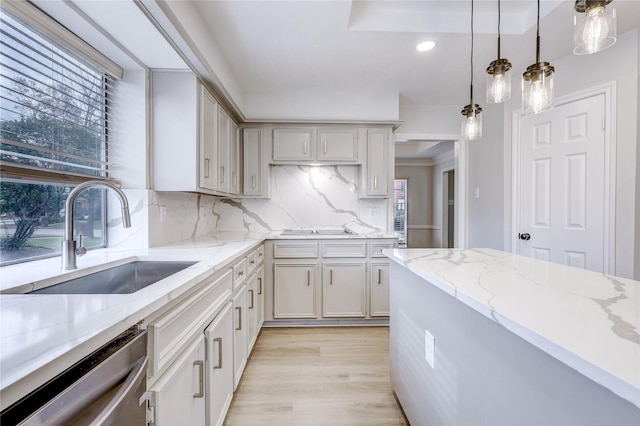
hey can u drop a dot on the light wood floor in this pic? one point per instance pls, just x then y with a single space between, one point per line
317 376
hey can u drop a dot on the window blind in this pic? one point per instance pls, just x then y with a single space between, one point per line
54 105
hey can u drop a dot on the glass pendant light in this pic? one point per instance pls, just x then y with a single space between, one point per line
472 113
594 26
499 76
537 82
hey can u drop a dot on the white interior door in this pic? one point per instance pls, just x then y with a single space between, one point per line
561 211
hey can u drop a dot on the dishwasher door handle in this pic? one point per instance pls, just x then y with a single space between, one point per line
108 414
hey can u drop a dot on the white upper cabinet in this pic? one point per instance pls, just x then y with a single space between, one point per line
208 129
293 144
234 159
377 170
224 151
193 138
338 145
315 145
256 172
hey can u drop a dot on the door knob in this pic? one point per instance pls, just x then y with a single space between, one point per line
525 236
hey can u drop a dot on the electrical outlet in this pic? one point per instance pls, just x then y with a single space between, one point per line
430 349
163 214
373 213
476 193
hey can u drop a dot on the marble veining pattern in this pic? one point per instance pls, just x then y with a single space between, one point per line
587 320
302 197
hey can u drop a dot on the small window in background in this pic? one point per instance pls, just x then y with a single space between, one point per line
54 115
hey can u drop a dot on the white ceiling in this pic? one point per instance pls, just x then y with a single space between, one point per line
290 46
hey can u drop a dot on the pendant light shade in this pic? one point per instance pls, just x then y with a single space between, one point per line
537 82
499 76
471 114
471 122
594 26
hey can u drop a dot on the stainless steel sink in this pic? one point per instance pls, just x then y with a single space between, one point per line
122 279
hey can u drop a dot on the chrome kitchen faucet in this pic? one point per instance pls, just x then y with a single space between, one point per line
69 248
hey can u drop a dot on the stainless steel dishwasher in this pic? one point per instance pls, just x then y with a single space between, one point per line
107 387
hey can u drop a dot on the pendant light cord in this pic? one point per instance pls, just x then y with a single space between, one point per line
471 85
538 35
498 29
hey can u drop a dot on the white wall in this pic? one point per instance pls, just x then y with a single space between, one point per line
315 104
485 158
433 120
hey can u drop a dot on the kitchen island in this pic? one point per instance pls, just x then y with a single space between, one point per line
480 336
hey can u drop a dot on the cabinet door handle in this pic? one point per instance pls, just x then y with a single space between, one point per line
252 262
239 309
240 273
324 148
207 167
308 277
330 276
306 146
375 182
233 177
259 285
379 276
253 181
218 340
251 306
200 365
221 174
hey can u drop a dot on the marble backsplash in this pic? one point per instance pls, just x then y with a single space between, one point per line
301 197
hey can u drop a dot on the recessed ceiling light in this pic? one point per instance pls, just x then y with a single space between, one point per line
426 45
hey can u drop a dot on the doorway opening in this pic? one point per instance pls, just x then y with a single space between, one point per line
448 208
400 211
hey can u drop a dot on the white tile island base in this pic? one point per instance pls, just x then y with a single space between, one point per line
491 365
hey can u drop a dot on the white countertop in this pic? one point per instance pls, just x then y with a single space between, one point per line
40 335
587 320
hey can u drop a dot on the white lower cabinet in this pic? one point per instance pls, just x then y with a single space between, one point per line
177 398
198 348
294 290
346 271
239 333
219 365
260 299
379 289
344 289
252 311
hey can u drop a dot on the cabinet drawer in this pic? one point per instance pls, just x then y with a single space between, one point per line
170 333
344 249
260 255
252 261
377 247
239 273
295 250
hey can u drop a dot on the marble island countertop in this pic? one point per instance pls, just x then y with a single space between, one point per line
46 333
587 320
